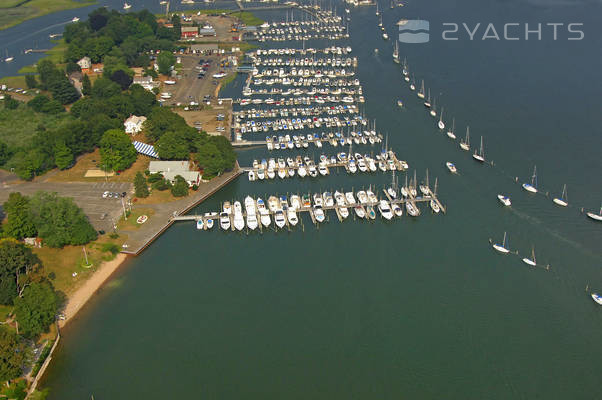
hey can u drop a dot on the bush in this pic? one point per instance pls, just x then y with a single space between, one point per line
180 187
152 178
114 235
110 247
161 185
140 185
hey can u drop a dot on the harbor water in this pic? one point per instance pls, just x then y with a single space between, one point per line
418 308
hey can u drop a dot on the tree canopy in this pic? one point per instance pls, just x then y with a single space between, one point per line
12 355
16 259
36 309
116 150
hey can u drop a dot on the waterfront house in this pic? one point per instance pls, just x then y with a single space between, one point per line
133 124
85 64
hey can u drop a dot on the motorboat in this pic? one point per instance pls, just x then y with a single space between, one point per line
412 210
385 210
370 212
279 218
210 219
451 167
295 202
227 208
199 224
597 298
292 216
359 211
350 198
252 176
273 204
319 213
224 220
239 222
397 210
505 200
250 209
361 196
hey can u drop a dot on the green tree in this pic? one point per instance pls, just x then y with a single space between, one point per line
121 78
38 102
36 309
60 221
140 185
180 187
165 60
16 261
63 156
4 153
63 91
12 355
10 103
53 107
19 222
30 81
117 152
162 119
105 88
210 160
86 86
72 67
172 146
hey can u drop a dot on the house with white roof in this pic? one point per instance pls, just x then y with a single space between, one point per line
134 124
171 169
85 63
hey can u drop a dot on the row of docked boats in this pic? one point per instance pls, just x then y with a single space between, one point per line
306 100
256 113
258 61
313 85
263 37
332 138
310 90
335 50
293 124
278 75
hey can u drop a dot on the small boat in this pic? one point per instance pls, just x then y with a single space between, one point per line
420 93
396 53
126 6
292 216
199 224
531 187
501 247
505 200
252 176
209 219
450 133
370 212
412 209
465 144
75 19
385 210
562 201
399 103
397 211
597 298
350 198
451 167
359 211
279 218
319 213
596 217
385 36
224 220
531 261
480 157
434 206
441 124
239 222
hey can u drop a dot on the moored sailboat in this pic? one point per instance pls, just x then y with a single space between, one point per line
501 247
465 144
480 156
562 201
531 261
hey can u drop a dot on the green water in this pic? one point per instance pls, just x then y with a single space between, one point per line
416 309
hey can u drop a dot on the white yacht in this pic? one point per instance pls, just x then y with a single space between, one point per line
279 218
350 198
531 187
441 124
239 221
292 216
451 167
465 144
501 247
224 220
505 200
385 210
359 211
252 176
531 261
210 219
252 222
479 156
199 224
434 206
319 213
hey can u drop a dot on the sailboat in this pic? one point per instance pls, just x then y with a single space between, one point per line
404 68
597 298
501 247
440 124
532 187
420 93
531 261
396 53
126 6
433 111
562 201
450 133
427 103
465 144
597 217
377 13
8 59
480 155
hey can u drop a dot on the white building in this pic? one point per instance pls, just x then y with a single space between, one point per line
134 124
85 63
171 169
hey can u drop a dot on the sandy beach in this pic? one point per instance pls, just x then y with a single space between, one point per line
77 300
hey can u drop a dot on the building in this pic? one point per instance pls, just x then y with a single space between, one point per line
85 63
171 169
134 124
189 32
207 30
145 81
209 48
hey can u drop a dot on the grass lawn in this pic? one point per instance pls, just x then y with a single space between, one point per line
12 14
91 161
131 224
64 262
55 55
14 81
18 126
157 197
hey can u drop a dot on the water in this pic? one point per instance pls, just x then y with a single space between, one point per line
409 309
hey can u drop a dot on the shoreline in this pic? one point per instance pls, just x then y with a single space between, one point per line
42 10
83 294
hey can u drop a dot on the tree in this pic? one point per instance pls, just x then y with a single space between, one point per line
142 100
86 86
36 309
180 187
30 81
38 102
140 185
16 260
122 79
53 107
63 156
60 221
209 159
117 152
172 146
63 91
4 153
105 88
12 355
10 103
162 119
72 67
165 60
19 223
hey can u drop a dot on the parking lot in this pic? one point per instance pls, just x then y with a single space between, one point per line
89 196
190 87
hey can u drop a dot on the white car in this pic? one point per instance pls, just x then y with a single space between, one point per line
105 195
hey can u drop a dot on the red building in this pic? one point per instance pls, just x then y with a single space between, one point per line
189 32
